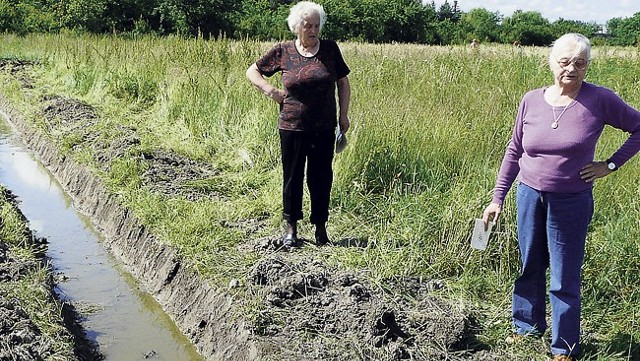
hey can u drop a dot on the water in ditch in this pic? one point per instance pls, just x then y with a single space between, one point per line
124 321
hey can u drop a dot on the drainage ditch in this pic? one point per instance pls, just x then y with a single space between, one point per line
125 322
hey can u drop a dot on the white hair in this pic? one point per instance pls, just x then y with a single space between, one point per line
578 42
300 10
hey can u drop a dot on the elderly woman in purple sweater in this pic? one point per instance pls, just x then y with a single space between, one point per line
551 153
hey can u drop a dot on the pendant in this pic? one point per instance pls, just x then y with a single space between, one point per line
554 125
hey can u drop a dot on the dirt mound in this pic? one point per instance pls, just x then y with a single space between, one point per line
19 69
173 175
67 113
166 172
12 269
122 143
313 311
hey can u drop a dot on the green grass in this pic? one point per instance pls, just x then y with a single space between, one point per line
429 128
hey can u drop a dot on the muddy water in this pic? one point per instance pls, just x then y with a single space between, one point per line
126 323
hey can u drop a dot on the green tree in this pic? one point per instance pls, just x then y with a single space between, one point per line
446 32
206 17
127 15
449 12
392 20
25 16
10 19
625 32
480 24
261 19
562 26
341 20
82 14
527 27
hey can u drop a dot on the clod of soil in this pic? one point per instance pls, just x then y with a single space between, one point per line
312 311
67 113
19 336
174 175
19 69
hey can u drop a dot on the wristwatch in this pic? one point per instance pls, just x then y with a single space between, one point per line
611 165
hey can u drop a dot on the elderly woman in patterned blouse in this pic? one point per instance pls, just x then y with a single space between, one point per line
311 70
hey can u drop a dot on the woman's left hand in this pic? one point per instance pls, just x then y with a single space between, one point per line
594 170
344 123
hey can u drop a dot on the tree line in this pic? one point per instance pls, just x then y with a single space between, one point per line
377 21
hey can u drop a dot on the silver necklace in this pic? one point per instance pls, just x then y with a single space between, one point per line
554 125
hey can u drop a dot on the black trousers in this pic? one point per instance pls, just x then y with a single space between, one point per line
315 149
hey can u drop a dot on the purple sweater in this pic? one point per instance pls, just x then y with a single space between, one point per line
550 160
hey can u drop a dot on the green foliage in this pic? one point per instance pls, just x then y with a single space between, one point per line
374 21
527 27
10 20
83 14
625 32
194 17
562 26
480 24
26 16
262 20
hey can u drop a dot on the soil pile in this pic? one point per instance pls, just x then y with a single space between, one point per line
315 312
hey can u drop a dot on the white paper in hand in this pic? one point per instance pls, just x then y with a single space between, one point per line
341 141
480 237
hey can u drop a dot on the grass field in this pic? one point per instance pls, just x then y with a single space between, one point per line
429 128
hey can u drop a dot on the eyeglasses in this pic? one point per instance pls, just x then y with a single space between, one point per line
579 64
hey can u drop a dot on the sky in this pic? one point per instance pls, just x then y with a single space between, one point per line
583 10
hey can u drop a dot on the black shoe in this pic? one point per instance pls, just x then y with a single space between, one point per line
322 240
289 240
321 235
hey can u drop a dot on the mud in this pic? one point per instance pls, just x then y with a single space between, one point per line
308 303
19 69
173 175
308 310
20 337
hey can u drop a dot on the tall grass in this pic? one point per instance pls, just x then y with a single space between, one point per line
430 125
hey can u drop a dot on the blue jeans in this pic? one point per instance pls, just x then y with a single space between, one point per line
552 228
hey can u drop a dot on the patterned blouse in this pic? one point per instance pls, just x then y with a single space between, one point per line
310 84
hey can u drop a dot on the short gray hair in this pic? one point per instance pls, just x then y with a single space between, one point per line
299 10
579 41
